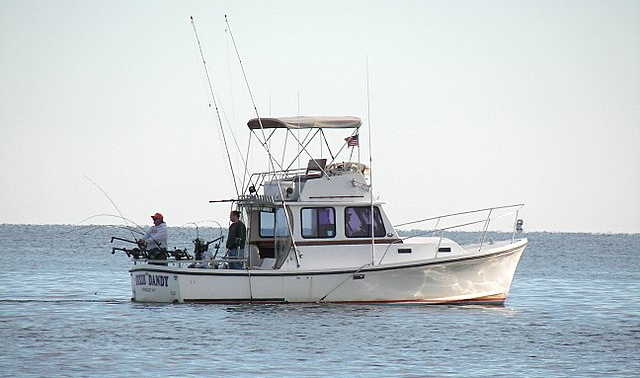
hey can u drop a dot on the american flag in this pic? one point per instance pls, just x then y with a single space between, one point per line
352 141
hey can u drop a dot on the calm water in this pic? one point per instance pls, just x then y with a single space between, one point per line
574 310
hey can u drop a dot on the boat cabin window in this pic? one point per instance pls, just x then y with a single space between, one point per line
357 222
318 222
273 224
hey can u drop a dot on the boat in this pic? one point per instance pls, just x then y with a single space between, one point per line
317 234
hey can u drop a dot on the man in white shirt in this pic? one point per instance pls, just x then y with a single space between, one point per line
156 237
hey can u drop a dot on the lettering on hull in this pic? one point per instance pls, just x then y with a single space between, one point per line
147 279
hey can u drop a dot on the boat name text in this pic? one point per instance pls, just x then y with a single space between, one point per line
152 279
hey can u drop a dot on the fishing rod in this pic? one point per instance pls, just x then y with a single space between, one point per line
124 240
140 229
224 200
110 200
202 246
215 103
142 232
135 252
92 227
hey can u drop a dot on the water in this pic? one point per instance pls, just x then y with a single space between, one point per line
574 310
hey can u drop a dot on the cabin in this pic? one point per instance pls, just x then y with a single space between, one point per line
324 206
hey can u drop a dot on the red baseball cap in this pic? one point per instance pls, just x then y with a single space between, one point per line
157 215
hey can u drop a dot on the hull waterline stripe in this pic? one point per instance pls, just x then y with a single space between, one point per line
492 300
238 300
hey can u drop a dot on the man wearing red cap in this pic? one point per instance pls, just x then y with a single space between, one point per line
156 237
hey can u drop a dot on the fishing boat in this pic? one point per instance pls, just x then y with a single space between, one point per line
316 233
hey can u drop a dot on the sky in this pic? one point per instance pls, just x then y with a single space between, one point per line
470 104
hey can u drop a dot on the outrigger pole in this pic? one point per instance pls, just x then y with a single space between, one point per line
265 139
253 102
213 96
272 161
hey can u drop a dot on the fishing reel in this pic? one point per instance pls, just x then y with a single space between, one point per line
202 253
200 247
180 254
136 253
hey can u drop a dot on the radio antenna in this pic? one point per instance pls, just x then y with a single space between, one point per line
373 240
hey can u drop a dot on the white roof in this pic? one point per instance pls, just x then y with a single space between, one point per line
306 122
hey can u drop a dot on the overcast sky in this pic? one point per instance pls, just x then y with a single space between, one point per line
472 104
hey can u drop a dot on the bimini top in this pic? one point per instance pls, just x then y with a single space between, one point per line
321 122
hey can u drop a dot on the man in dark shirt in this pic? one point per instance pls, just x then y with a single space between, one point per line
235 239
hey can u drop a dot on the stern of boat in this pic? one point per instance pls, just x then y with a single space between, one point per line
154 286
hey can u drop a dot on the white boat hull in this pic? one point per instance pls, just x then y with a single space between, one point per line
472 278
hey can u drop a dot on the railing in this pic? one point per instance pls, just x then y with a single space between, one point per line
196 264
485 228
257 179
256 199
